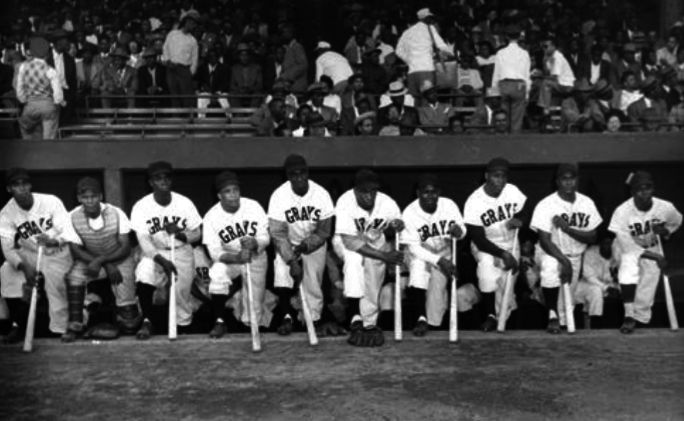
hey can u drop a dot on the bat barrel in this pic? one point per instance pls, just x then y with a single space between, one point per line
398 328
254 324
453 310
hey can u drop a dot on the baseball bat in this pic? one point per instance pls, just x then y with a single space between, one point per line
31 324
508 289
671 313
566 293
173 329
453 308
398 328
313 339
253 323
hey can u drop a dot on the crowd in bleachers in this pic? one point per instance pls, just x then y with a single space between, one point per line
388 68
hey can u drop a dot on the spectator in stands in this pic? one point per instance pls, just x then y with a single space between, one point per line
501 123
273 119
433 113
512 77
331 99
316 126
348 117
374 74
212 79
649 101
651 121
118 80
399 98
558 76
580 111
295 64
627 62
39 92
629 93
469 81
485 61
676 115
356 89
316 93
667 55
229 40
333 65
391 121
300 124
649 63
614 120
181 55
417 47
353 51
409 126
456 124
672 95
105 47
364 124
246 78
595 67
484 113
87 72
273 66
152 79
679 66
573 55
65 65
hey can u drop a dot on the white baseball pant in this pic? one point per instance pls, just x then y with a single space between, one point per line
313 265
491 277
645 274
591 296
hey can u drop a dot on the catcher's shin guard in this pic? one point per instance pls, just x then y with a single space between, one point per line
129 318
76 297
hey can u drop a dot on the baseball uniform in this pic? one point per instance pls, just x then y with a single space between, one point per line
428 238
300 217
492 214
598 274
222 233
148 220
580 215
46 216
633 229
363 277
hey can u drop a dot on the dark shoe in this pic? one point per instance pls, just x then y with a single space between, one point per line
356 325
13 337
285 327
554 327
421 328
628 326
145 331
218 331
490 324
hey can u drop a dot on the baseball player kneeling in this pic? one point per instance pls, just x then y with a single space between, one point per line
365 217
99 243
236 235
160 220
638 223
431 221
566 223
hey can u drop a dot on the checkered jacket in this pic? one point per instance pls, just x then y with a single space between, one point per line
36 81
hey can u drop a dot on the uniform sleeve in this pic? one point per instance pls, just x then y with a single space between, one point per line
393 211
194 218
138 223
7 228
520 198
541 218
618 225
262 236
673 219
124 222
275 207
594 216
327 207
344 220
60 218
211 239
70 234
458 218
472 212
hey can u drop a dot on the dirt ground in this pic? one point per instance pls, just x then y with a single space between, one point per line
594 375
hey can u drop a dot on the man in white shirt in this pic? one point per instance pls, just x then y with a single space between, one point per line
559 78
512 76
667 56
417 47
334 65
181 55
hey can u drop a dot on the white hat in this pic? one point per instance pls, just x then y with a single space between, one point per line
423 13
322 44
397 89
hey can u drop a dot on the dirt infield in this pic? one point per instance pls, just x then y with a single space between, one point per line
596 375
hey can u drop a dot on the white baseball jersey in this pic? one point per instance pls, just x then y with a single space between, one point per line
46 216
97 223
353 220
634 227
492 213
427 234
223 230
202 265
301 213
150 217
581 215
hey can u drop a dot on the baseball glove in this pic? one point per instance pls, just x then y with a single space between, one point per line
105 331
369 336
330 329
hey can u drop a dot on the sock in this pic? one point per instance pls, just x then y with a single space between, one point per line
285 300
628 294
218 306
551 299
489 303
18 312
145 298
76 296
417 297
354 308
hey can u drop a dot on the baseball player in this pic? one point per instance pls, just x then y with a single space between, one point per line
566 223
637 224
236 234
491 214
300 216
99 243
430 223
598 280
159 220
27 221
364 218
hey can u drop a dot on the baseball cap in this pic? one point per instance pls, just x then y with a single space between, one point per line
640 178
16 174
226 178
428 180
423 13
366 177
158 168
498 164
294 161
567 168
323 45
88 184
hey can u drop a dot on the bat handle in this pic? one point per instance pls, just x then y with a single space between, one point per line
453 310
254 325
398 328
508 289
671 312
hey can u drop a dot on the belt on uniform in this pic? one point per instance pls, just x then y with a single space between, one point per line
172 64
513 80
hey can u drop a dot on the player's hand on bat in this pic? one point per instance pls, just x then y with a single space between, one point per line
456 231
514 223
300 249
245 256
32 276
660 230
46 241
510 262
249 243
167 266
446 266
394 257
397 225
658 258
172 228
560 223
296 271
565 271
94 268
113 274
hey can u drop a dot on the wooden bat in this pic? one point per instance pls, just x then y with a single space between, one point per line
508 289
566 293
173 329
398 328
31 324
453 308
671 313
253 323
313 339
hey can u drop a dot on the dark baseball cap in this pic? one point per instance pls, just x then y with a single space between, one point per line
428 180
498 164
294 161
159 167
366 177
640 178
15 174
88 184
567 168
226 178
